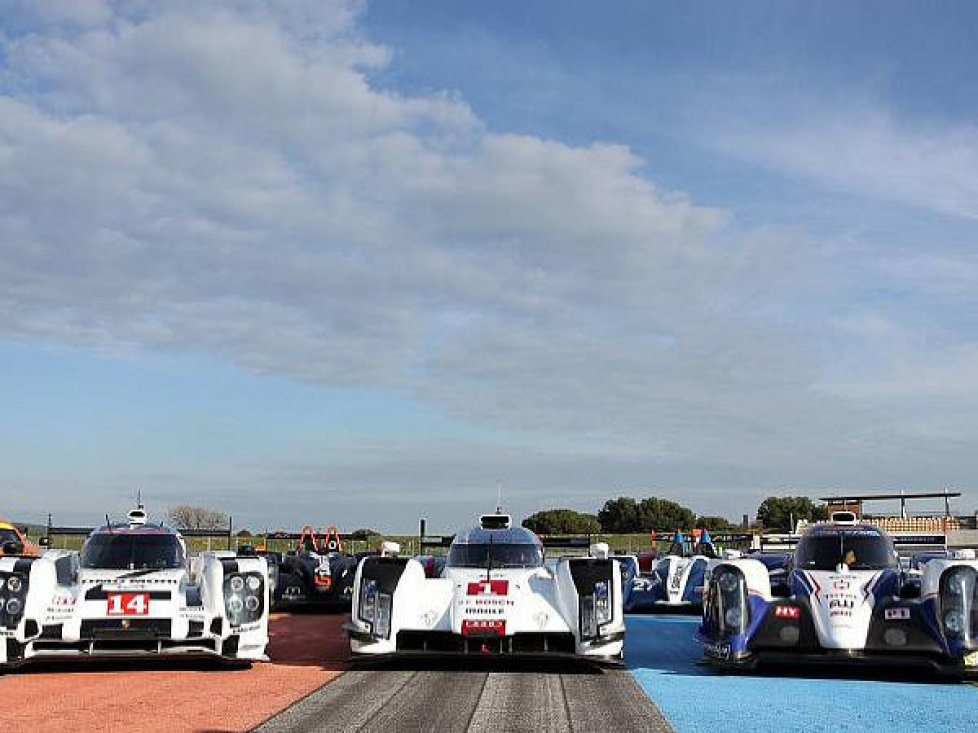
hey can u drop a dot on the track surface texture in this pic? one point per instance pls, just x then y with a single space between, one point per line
307 651
663 655
494 698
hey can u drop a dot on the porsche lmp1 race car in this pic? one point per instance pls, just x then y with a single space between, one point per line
496 596
316 573
676 580
132 591
845 602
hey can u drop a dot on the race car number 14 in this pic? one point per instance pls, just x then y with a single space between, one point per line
128 604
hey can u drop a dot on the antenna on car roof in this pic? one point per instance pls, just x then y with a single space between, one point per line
108 523
499 497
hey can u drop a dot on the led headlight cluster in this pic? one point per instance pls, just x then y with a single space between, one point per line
374 608
596 609
958 602
244 597
13 593
730 599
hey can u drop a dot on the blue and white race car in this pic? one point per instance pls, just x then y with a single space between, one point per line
845 603
676 581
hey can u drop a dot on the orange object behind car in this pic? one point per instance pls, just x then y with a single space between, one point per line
9 532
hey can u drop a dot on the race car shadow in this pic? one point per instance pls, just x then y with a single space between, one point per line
667 645
131 665
481 664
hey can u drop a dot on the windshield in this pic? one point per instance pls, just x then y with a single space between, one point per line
858 550
499 556
127 551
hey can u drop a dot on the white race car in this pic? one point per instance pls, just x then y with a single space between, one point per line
676 580
132 591
495 596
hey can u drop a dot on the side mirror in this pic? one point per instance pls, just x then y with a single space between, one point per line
45 541
600 550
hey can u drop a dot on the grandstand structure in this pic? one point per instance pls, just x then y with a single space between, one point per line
904 523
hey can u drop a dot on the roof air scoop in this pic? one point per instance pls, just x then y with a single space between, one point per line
495 521
137 516
843 518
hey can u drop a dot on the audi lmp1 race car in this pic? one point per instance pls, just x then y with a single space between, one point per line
495 596
132 591
676 580
315 573
845 602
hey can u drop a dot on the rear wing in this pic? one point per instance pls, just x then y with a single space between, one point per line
580 542
900 541
910 543
52 530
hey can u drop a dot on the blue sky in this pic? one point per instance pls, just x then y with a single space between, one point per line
358 262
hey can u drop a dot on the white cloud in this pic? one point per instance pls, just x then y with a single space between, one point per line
864 149
228 180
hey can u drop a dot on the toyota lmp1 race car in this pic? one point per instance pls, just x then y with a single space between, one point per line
496 596
676 580
132 592
845 602
315 574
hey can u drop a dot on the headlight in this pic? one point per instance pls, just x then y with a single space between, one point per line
589 621
368 600
728 581
954 622
602 602
957 591
382 627
243 598
957 581
14 584
734 617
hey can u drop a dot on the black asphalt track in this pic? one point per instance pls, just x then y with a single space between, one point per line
496 697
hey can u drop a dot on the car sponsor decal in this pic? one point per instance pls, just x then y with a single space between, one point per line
787 612
483 627
894 614
718 650
489 588
128 604
971 660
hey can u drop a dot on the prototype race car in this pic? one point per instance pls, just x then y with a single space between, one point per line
844 603
676 581
132 591
495 596
315 573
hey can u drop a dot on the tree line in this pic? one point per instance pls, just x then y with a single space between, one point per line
623 515
626 515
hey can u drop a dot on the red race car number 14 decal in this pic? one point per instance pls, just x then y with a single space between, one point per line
128 604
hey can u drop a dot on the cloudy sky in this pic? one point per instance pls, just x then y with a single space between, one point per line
334 261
